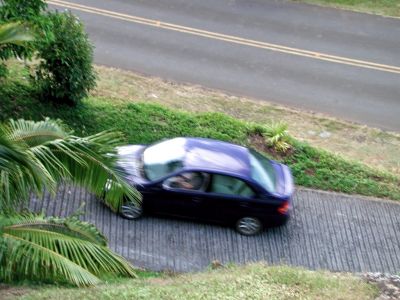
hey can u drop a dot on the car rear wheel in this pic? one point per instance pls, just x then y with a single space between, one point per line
248 226
131 211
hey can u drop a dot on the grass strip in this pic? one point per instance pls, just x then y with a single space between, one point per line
146 123
379 7
255 281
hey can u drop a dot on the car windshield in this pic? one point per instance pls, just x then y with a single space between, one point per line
262 171
163 158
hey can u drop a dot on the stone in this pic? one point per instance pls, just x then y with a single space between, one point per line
389 285
325 134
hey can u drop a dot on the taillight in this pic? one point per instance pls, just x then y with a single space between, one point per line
283 208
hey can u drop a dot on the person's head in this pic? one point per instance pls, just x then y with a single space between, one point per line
195 179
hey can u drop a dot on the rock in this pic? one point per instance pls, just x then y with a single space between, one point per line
389 289
396 295
325 134
311 132
215 264
389 285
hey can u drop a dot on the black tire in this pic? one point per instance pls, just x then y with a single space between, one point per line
248 226
131 211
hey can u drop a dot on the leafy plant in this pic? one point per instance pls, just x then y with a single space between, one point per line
66 250
65 74
277 136
26 10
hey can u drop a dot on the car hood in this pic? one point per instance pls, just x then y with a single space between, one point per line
129 161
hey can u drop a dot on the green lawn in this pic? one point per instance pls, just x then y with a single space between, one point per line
381 7
255 281
145 123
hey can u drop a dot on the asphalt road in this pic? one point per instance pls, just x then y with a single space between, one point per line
257 48
327 231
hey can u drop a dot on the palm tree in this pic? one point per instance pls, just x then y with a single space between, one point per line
14 33
40 155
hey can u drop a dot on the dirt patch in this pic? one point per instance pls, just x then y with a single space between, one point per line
160 281
12 292
310 172
257 141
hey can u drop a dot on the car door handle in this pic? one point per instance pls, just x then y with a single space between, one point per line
244 204
196 200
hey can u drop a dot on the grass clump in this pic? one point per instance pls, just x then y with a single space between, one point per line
255 281
381 7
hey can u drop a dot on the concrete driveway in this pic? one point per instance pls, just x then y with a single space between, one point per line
328 231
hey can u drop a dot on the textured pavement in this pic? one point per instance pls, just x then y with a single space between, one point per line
328 231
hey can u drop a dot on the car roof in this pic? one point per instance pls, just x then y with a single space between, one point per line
219 156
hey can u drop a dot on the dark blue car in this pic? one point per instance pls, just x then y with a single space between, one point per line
208 180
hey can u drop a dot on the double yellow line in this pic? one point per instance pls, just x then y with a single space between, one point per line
228 38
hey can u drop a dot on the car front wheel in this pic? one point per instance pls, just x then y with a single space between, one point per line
248 226
131 211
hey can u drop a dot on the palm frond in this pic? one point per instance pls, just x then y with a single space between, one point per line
50 154
26 259
34 133
63 247
19 173
76 228
96 165
15 33
70 226
38 155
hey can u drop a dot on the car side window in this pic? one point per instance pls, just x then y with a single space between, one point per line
196 181
223 184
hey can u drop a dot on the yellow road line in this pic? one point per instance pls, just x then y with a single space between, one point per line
228 38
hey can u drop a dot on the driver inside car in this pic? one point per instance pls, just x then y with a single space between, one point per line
188 181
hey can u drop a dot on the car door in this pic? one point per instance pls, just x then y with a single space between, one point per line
229 198
178 195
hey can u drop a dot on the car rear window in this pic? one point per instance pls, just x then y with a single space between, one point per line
223 184
262 171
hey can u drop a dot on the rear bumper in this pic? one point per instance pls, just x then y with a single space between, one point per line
277 220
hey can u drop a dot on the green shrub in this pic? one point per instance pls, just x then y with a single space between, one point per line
3 70
65 74
17 10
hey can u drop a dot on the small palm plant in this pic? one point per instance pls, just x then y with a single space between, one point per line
40 155
277 136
